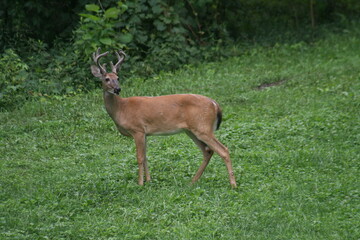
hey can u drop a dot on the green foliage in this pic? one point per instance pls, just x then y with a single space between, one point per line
55 39
48 20
65 173
57 73
14 73
100 29
45 74
147 29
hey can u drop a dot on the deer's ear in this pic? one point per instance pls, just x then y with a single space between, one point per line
96 71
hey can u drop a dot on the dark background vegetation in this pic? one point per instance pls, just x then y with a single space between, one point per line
45 45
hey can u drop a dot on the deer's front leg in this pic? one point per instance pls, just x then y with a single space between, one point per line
140 142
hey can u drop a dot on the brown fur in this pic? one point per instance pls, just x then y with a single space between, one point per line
138 117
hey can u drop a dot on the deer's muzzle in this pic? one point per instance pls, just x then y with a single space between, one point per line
117 91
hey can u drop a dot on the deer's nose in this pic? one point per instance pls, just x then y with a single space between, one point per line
117 90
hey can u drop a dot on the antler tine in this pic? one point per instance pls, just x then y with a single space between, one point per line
121 57
96 57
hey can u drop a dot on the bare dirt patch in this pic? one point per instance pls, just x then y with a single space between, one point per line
272 84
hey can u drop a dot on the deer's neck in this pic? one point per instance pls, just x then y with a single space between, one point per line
112 104
115 107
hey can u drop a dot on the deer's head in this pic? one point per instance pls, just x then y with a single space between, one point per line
110 81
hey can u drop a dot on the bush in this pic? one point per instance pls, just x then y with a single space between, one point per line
12 80
58 71
157 34
48 72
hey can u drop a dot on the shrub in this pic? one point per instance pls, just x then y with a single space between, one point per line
14 74
57 71
158 35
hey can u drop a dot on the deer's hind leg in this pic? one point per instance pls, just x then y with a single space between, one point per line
207 154
215 145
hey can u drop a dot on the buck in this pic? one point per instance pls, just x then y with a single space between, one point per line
138 117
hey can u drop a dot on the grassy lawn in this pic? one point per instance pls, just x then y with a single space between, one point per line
291 123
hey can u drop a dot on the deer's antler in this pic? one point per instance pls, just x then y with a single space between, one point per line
96 57
121 57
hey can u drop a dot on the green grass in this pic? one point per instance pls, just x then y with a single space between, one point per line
67 174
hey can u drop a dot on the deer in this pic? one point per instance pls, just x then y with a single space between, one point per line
141 116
